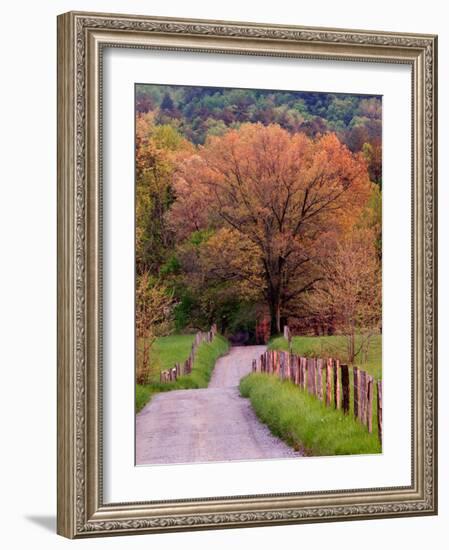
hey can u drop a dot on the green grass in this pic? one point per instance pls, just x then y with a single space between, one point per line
303 421
168 350
172 349
333 346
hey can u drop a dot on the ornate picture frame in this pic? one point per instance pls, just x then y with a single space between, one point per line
82 38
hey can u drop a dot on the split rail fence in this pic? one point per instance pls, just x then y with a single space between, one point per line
329 381
181 369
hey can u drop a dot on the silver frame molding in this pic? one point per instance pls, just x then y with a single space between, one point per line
81 39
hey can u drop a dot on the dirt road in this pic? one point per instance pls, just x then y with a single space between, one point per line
211 424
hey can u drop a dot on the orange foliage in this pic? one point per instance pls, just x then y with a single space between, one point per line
287 194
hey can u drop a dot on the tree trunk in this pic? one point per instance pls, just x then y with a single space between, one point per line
278 318
351 350
275 315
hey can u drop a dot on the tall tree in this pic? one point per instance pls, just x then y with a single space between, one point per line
350 291
157 147
154 307
167 104
284 194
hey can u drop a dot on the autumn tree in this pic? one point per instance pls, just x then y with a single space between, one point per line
157 148
373 155
349 292
283 193
154 309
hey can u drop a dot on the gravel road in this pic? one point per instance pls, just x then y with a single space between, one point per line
211 424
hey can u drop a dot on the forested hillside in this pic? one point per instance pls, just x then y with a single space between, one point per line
197 112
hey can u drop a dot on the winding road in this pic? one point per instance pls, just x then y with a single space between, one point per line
210 424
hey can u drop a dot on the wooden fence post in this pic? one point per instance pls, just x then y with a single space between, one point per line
319 378
304 371
336 365
329 382
311 382
290 374
363 385
345 387
314 370
356 392
369 403
379 409
295 362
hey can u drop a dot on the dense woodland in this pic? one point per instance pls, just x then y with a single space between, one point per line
254 203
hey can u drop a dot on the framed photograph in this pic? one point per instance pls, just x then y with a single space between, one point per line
246 274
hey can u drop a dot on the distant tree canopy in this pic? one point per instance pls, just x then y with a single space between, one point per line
199 111
242 197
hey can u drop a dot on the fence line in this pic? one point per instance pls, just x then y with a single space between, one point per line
181 369
319 377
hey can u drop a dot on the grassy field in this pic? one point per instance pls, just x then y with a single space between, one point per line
171 349
168 350
303 421
333 346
